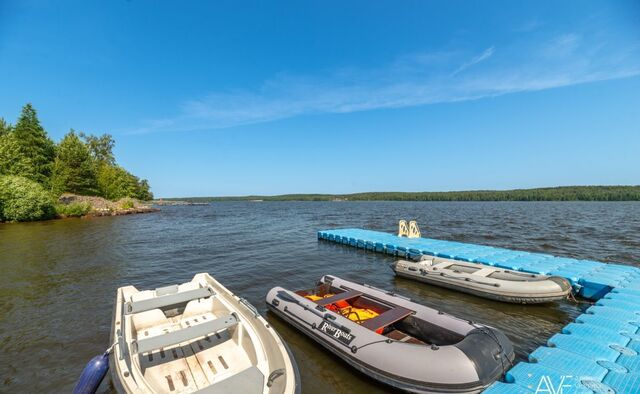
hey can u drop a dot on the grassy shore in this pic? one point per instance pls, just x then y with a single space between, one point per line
563 193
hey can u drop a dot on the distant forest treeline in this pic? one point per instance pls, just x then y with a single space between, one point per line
564 193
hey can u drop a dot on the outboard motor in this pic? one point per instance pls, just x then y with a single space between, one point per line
92 374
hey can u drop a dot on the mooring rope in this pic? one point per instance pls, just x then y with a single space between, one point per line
572 298
110 348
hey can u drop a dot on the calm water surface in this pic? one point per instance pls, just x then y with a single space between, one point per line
59 277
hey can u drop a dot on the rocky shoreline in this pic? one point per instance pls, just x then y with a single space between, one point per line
119 212
98 206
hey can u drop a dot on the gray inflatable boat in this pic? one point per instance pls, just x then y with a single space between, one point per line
395 340
485 281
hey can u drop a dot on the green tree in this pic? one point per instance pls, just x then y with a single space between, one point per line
74 170
114 182
22 199
34 149
144 191
101 147
5 128
11 160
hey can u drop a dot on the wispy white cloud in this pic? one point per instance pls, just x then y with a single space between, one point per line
562 45
412 80
481 57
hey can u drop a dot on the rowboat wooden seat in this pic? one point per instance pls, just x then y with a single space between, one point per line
189 333
389 317
347 295
166 296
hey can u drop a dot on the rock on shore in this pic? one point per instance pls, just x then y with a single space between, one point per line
103 207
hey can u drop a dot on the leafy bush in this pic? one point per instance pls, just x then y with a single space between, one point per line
23 200
74 209
127 203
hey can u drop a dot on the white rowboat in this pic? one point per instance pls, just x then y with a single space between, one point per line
196 337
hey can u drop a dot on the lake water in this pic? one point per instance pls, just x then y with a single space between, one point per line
59 278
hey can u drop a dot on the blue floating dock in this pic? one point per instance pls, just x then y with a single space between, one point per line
597 354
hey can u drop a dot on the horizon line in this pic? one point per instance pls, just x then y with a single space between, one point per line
405 192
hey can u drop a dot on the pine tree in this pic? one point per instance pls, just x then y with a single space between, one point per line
12 162
5 128
35 149
74 169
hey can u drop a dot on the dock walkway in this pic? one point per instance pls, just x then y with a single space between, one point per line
598 353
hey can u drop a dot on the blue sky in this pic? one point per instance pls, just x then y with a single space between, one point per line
229 98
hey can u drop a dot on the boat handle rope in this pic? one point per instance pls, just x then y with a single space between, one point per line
275 375
425 273
249 305
354 348
518 273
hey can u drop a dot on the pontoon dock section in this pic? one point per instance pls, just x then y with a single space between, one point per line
598 353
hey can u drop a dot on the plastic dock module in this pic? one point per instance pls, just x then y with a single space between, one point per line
597 354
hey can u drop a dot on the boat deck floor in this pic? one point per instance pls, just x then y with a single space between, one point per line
194 365
400 336
379 322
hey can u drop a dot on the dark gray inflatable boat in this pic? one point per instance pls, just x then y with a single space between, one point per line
395 340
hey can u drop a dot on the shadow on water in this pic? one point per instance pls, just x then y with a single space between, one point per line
59 278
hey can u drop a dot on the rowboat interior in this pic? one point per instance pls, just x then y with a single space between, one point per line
392 321
214 349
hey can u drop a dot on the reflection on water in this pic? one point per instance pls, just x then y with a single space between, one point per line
59 278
